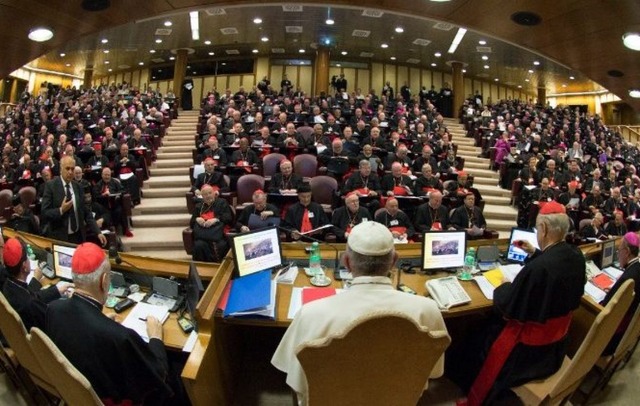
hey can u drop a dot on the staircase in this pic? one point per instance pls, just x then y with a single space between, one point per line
162 215
500 215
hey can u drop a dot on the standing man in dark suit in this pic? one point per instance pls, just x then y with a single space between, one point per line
63 211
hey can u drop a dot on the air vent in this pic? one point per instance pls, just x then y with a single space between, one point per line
413 60
421 41
484 50
292 8
232 52
157 60
215 11
293 29
366 54
361 33
163 31
229 30
277 50
372 13
443 26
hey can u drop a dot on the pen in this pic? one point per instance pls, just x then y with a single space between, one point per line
142 318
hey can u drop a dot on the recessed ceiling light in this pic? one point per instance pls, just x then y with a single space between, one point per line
486 66
152 51
329 21
485 58
211 53
536 63
399 30
526 80
255 51
168 23
264 39
496 79
635 93
107 62
172 58
104 40
159 70
257 20
327 41
194 73
571 77
464 71
343 52
67 64
106 51
631 40
301 51
140 63
482 42
223 64
40 34
519 86
437 54
207 42
384 46
337 64
393 58
564 85
434 64
158 41
62 54
530 71
109 70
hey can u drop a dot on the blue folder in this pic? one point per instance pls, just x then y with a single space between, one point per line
249 293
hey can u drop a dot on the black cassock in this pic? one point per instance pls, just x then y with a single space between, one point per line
187 102
29 301
343 220
115 359
317 216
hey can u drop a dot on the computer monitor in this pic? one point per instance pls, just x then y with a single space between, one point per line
256 251
62 255
194 289
608 252
443 250
515 254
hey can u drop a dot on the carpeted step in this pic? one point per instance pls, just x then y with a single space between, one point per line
160 220
161 206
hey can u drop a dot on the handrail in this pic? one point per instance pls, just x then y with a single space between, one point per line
630 132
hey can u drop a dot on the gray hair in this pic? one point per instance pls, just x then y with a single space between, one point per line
369 265
557 223
92 279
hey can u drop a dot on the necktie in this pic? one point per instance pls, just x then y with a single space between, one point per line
73 224
306 222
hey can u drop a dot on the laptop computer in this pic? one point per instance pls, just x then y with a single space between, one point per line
488 257
166 292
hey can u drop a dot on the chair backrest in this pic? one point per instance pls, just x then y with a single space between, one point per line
361 365
74 388
270 163
306 131
305 165
594 343
17 337
247 184
323 189
583 223
630 337
6 196
27 195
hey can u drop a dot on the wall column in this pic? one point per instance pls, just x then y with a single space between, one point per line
457 87
321 71
88 77
542 95
14 91
179 70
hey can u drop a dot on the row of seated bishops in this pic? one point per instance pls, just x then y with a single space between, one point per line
112 132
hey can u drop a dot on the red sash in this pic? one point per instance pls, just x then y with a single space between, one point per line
245 165
306 222
398 229
428 189
26 174
125 170
362 191
209 215
515 332
436 226
400 191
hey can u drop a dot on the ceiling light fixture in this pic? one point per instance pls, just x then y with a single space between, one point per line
301 51
393 58
486 66
152 51
211 54
40 34
264 39
257 20
631 40
384 45
343 52
109 70
530 71
496 79
526 80
255 51
329 20
437 54
399 30
485 58
519 86
168 23
107 62
106 51
457 40
482 42
104 40
564 85
207 42
158 41
62 54
67 65
571 77
195 25
536 63
434 64
172 58
140 63
464 71
635 93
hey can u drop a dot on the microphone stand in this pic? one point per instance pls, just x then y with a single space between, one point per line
336 264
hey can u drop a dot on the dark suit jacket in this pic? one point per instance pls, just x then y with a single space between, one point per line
56 224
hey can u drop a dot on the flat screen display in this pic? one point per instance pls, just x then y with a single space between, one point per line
608 252
256 251
62 261
194 291
443 249
515 254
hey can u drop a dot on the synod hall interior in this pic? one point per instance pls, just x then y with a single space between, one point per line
209 136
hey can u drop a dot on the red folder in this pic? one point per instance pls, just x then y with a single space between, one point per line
311 294
603 281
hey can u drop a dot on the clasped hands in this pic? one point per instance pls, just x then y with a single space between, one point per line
206 223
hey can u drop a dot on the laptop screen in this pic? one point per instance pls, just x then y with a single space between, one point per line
516 254
256 251
62 261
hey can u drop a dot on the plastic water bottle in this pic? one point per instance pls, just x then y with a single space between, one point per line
315 266
30 253
469 264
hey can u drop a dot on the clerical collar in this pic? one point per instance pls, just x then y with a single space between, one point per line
362 281
88 299
631 262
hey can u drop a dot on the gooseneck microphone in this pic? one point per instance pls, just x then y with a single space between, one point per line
333 247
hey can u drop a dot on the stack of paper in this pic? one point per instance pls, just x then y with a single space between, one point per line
510 271
137 318
596 294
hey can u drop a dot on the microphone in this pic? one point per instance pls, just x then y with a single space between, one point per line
115 255
336 264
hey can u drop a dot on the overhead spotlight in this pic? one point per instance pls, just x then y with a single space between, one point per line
158 41
571 77
536 63
343 52
399 30
530 71
264 39
434 64
519 86
496 79
211 54
329 21
337 64
107 62
526 80
482 42
172 58
104 40
67 64
464 71
485 58
106 51
564 85
168 23
635 93
62 54
302 51
384 46
40 34
140 63
486 66
207 42
437 54
109 70
327 41
393 58
152 51
257 20
631 40
255 51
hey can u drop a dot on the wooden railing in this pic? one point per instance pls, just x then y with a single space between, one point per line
630 133
4 106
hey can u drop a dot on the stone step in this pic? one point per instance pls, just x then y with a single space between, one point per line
183 170
501 225
475 165
487 173
500 212
156 238
160 220
173 155
165 192
173 163
177 181
183 123
161 206
179 142
485 190
498 200
177 148
481 180
476 158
